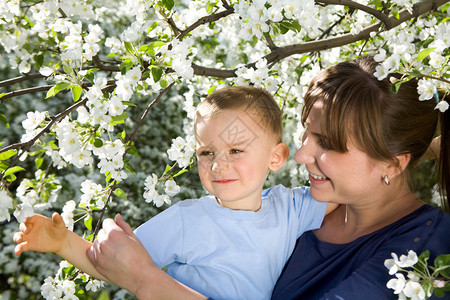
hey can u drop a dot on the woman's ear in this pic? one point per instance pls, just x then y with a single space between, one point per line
280 153
396 168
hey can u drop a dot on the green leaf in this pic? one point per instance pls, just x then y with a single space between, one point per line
129 103
88 222
439 293
129 47
39 162
168 4
7 154
396 15
60 86
396 86
3 120
13 170
98 143
2 95
118 119
442 264
120 193
76 92
424 53
152 27
156 73
156 44
133 150
180 172
163 83
50 92
211 89
129 169
38 60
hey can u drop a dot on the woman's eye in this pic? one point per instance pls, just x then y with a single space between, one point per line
235 151
322 144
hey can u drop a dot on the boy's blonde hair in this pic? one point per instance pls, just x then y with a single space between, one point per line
257 102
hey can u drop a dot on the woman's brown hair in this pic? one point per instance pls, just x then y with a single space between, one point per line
383 124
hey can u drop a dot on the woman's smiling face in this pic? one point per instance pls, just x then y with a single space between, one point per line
336 177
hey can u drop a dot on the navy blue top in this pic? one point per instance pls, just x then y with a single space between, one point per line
320 270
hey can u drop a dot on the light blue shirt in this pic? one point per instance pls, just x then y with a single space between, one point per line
231 254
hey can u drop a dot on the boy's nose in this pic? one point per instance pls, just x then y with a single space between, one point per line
305 154
220 164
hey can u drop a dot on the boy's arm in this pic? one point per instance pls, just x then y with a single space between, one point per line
120 256
43 234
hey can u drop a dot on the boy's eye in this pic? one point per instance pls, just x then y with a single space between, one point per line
206 153
235 151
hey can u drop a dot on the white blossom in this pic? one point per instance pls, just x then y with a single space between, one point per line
414 291
171 188
397 284
426 89
23 211
6 203
442 106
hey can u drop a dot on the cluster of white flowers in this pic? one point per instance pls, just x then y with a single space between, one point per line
6 203
72 149
259 75
182 150
67 214
403 54
29 198
151 193
58 288
178 53
410 287
31 124
94 195
111 159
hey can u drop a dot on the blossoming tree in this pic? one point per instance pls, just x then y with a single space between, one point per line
89 87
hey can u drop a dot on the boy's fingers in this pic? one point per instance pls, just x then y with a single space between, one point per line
25 227
18 237
57 220
20 248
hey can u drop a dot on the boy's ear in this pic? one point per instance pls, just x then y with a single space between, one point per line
279 155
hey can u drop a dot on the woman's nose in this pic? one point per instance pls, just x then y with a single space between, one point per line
305 154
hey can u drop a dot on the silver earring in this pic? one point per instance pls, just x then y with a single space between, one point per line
386 180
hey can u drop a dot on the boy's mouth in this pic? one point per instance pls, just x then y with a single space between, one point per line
223 181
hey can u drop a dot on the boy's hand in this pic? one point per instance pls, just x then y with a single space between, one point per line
41 234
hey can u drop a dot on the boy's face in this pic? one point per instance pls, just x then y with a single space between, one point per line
234 155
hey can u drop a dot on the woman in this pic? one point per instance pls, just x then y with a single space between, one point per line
361 145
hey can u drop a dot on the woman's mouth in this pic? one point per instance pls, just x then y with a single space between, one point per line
318 177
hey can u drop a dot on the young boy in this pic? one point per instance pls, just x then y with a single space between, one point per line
234 243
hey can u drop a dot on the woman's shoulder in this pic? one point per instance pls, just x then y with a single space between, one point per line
424 229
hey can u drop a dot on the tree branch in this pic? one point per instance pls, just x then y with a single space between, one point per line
206 19
352 4
338 41
26 91
27 145
149 107
20 79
